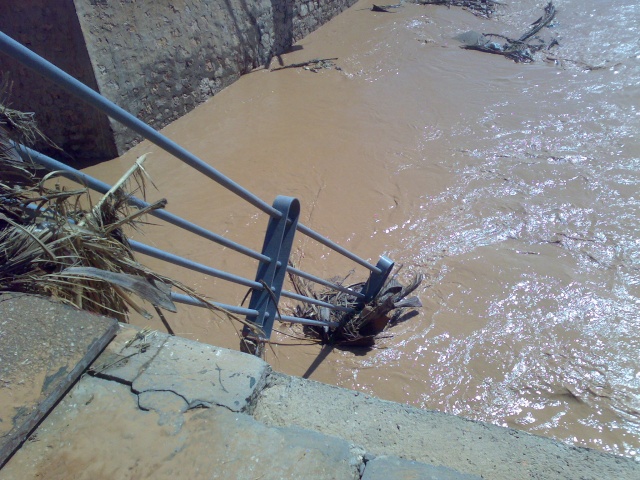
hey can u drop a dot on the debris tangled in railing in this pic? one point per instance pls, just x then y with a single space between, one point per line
60 249
279 235
518 50
367 321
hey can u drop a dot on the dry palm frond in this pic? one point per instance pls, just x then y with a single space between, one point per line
54 242
50 245
16 125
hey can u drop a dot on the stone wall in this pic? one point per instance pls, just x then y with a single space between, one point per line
157 59
308 15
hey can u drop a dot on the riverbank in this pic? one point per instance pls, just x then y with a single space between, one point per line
161 406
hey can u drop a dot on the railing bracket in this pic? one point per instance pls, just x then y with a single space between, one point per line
277 245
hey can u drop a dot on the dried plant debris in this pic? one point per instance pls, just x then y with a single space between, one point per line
520 50
136 345
362 326
21 127
55 242
480 8
52 246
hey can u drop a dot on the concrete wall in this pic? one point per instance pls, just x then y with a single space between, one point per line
158 59
51 29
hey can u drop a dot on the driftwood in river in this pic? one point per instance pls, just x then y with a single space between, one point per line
312 65
480 8
518 50
384 8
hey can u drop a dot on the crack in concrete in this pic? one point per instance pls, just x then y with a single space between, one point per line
111 378
362 466
160 391
220 378
261 385
145 365
197 403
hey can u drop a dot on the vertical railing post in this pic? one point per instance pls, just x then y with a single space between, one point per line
376 280
277 246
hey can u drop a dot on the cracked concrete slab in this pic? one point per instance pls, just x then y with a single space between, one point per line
98 432
203 375
167 405
136 418
162 402
128 354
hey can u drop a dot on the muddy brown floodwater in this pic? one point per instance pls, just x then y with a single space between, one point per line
513 188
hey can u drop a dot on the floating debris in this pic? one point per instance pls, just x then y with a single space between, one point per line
520 50
362 326
384 8
480 8
315 65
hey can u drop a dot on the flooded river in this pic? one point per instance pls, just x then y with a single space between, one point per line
512 187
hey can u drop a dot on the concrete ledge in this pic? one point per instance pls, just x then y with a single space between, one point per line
433 438
98 432
168 407
44 348
384 468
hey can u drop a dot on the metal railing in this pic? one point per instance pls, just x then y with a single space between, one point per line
283 223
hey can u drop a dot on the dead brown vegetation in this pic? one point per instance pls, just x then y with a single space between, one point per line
55 241
367 321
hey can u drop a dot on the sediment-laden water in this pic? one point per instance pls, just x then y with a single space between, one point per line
512 187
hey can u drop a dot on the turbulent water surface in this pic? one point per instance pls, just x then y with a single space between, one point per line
512 187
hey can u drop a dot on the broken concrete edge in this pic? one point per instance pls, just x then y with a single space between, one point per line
142 367
96 347
252 401
22 433
149 362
